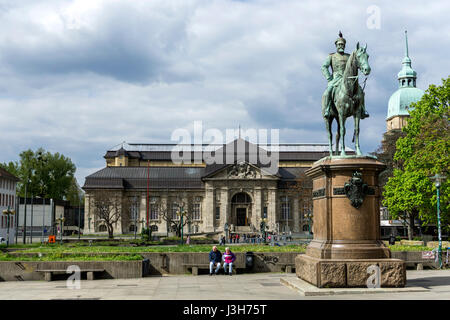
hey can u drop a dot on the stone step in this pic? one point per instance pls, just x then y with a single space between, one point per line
242 229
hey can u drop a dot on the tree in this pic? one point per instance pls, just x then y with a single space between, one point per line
75 194
172 215
385 153
108 209
424 151
48 175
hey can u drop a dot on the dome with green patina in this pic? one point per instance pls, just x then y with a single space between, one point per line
400 101
407 93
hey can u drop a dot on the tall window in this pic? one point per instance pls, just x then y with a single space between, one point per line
217 213
196 211
175 208
154 212
134 208
285 211
265 212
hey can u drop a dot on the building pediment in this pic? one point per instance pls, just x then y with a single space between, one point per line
241 171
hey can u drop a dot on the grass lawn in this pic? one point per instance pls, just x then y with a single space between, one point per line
99 248
107 252
72 257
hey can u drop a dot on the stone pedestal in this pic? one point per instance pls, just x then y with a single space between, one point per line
346 202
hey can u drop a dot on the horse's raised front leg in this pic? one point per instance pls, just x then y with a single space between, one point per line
356 117
342 130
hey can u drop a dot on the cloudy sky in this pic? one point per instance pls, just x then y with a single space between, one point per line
79 77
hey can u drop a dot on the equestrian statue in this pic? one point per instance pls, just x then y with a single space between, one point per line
344 97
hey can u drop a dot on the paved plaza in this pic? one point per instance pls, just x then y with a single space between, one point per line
264 286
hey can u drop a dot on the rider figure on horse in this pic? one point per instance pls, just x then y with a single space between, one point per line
337 61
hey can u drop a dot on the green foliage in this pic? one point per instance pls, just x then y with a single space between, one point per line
49 175
58 256
398 247
385 153
424 152
146 234
102 249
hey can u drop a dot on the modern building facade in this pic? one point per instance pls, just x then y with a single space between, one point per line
8 187
41 218
239 193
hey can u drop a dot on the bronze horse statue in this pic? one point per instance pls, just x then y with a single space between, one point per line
347 100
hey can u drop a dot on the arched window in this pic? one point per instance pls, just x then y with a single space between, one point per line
102 228
154 228
132 228
241 197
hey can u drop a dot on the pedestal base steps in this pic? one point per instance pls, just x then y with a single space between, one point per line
341 273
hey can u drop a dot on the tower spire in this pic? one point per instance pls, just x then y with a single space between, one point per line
406 44
407 76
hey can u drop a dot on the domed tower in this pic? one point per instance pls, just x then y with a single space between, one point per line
406 94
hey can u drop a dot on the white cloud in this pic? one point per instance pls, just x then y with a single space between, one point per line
81 76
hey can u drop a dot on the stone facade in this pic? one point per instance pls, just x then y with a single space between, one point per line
240 194
347 247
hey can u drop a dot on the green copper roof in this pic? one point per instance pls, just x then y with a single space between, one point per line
407 71
402 99
407 92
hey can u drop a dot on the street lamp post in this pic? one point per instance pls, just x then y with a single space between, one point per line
25 215
8 212
43 219
61 221
31 222
79 219
437 182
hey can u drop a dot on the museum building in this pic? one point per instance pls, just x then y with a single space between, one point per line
240 193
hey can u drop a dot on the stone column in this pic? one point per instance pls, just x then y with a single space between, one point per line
142 210
257 211
209 208
272 208
164 201
224 207
87 214
296 214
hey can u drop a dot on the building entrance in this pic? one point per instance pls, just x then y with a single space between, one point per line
241 216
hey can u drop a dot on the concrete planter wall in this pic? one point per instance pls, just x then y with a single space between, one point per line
435 244
26 270
412 258
411 243
176 262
